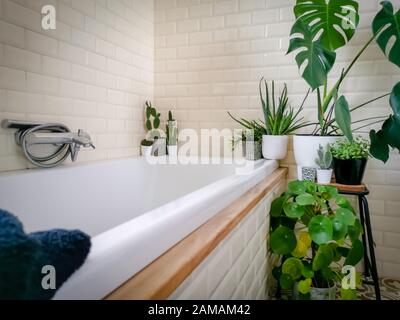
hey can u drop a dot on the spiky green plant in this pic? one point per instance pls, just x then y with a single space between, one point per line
279 117
172 130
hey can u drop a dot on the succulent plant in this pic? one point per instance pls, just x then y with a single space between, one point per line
152 121
324 160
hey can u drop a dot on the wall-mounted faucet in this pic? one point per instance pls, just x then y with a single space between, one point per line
31 134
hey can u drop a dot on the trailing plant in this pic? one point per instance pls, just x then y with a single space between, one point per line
172 130
324 160
279 117
322 27
314 232
152 124
348 150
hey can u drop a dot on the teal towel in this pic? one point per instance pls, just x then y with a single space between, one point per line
22 257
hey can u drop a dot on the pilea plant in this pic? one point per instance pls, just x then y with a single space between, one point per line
322 27
152 124
324 160
313 229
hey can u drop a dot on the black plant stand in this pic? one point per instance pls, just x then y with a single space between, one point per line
361 192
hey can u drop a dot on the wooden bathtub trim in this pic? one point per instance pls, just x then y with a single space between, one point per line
163 276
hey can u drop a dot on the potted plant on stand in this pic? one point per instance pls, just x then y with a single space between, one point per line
172 135
280 120
314 232
251 138
319 30
152 124
350 160
324 161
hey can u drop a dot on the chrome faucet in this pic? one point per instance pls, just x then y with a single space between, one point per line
75 140
29 134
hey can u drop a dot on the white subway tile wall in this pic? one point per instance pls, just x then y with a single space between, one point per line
210 55
239 267
93 72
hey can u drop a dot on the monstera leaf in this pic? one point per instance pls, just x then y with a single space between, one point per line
313 56
336 19
390 133
386 25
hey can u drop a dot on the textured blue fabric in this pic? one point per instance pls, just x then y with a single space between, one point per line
22 257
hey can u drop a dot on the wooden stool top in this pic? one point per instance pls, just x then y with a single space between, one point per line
359 189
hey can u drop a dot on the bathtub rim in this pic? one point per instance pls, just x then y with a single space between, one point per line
163 276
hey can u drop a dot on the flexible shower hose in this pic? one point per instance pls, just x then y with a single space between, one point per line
55 158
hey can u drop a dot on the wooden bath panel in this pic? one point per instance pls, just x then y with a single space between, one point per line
159 279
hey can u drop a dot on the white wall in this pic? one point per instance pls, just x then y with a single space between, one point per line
210 55
93 72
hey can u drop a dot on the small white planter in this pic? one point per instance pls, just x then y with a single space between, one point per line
172 151
146 150
324 176
274 147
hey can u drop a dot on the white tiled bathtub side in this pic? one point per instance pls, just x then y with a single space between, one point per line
239 267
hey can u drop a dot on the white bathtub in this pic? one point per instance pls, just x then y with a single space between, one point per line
134 211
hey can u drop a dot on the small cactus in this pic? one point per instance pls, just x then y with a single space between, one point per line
324 160
152 124
151 112
172 130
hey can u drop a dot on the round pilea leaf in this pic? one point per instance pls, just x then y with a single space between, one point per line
303 245
355 254
339 228
293 267
305 286
355 231
277 206
307 272
346 215
328 192
283 241
305 199
293 210
321 229
286 281
297 187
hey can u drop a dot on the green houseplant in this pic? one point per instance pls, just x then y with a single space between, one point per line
350 160
152 124
324 162
280 120
251 138
172 135
314 232
322 27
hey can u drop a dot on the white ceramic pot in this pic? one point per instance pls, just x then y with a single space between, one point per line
318 293
172 151
146 150
324 176
274 147
305 150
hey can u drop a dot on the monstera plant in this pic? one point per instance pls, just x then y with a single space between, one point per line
314 232
322 27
